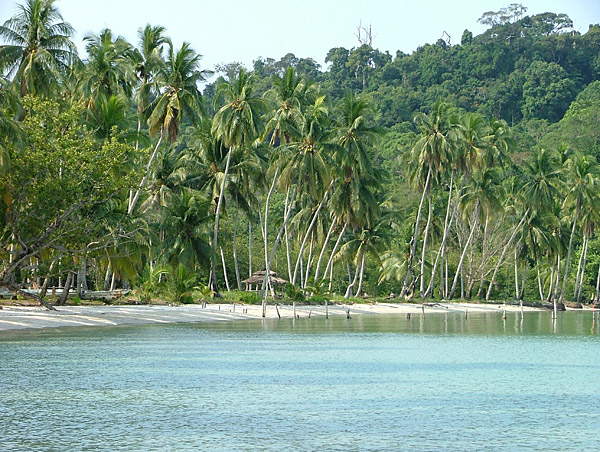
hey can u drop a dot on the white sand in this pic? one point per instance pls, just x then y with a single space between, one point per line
23 317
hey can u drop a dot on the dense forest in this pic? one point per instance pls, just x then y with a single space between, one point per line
459 171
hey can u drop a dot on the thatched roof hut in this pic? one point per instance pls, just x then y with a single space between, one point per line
255 281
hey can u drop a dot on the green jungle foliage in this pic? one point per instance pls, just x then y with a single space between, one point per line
457 171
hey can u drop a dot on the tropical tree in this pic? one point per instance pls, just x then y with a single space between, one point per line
147 61
107 71
582 181
186 234
38 51
237 123
178 98
430 155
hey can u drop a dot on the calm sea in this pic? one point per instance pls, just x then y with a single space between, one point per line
371 383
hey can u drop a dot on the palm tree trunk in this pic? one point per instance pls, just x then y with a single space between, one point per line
350 287
44 288
224 269
235 256
539 280
274 250
288 256
214 286
249 248
322 253
81 277
330 286
551 284
133 201
557 280
464 253
517 292
265 227
335 247
523 279
567 263
107 276
586 242
447 226
413 249
65 293
309 261
361 276
503 255
424 252
596 298
577 276
310 228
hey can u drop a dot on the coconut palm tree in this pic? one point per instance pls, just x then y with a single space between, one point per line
582 175
148 59
178 98
38 51
290 94
478 203
107 71
185 223
430 155
237 123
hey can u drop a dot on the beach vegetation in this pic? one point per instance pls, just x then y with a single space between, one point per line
458 171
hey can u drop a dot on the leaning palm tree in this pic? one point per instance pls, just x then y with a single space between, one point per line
429 157
38 51
179 97
237 124
535 190
582 174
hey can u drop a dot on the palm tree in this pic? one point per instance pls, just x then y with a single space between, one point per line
147 60
427 159
236 124
38 51
582 178
179 97
369 242
289 95
186 233
107 70
353 202
479 202
539 185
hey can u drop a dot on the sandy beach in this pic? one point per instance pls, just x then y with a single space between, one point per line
14 317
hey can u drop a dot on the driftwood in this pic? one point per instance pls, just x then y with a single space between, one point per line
35 297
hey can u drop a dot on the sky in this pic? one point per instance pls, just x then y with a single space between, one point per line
224 31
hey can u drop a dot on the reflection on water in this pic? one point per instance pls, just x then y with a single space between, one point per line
439 382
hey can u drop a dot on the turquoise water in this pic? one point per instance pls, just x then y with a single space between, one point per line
439 383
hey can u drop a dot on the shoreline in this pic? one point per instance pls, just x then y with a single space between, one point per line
36 317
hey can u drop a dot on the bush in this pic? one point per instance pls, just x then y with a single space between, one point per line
249 298
318 299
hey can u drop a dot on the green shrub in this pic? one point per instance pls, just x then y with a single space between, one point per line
249 298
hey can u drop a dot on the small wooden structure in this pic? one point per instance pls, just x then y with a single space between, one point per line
255 282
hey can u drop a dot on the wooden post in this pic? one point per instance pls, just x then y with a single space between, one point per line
277 308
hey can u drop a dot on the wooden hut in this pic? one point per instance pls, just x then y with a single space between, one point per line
255 282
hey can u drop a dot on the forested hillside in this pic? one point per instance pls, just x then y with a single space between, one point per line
461 170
